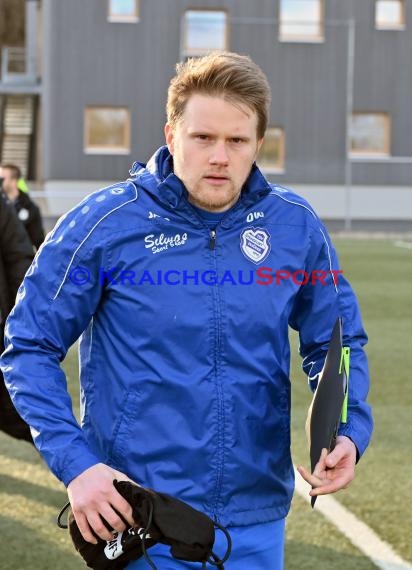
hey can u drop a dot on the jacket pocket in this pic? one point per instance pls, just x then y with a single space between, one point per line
123 428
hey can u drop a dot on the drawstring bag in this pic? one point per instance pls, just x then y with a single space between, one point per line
159 518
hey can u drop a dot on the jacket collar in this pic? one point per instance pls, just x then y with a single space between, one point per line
157 178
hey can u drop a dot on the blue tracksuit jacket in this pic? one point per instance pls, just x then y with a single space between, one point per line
184 340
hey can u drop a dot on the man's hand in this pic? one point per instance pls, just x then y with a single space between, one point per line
334 471
92 496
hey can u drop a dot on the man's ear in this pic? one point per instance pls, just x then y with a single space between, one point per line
169 136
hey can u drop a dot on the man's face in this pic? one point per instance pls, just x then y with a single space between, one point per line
213 147
8 182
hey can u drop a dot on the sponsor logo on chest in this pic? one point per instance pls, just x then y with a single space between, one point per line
163 242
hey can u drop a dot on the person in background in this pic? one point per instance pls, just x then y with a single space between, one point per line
16 254
171 280
27 211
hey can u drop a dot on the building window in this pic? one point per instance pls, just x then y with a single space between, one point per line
390 14
301 20
272 152
370 134
123 11
204 31
107 130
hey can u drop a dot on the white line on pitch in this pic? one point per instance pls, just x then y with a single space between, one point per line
404 244
361 536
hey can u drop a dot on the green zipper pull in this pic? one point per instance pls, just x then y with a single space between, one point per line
345 367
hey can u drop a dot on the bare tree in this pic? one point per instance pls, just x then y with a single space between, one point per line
12 22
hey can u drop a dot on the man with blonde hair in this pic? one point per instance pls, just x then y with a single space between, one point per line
172 280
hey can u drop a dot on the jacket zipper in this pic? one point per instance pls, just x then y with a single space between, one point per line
212 239
218 383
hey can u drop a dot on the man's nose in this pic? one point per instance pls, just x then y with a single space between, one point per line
219 154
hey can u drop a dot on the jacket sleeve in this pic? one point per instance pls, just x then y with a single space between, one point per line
34 226
315 311
57 301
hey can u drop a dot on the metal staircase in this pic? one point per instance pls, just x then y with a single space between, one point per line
18 122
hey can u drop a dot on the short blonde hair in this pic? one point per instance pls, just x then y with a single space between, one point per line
224 74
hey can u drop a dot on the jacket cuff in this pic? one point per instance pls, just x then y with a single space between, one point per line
360 438
74 467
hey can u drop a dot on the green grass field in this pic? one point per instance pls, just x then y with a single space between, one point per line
381 274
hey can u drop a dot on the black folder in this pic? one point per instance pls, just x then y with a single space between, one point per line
325 412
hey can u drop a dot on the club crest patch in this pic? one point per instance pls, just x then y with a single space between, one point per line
255 244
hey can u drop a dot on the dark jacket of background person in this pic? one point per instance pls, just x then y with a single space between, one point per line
16 254
29 214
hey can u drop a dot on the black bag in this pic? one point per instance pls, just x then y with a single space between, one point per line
159 518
